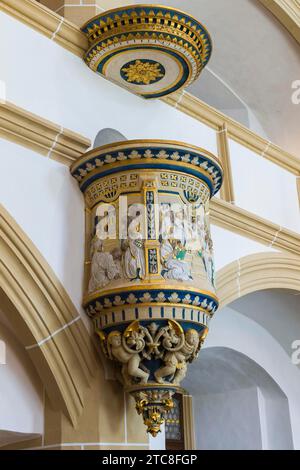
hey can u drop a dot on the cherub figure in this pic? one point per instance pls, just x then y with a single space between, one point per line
119 349
180 349
103 266
174 268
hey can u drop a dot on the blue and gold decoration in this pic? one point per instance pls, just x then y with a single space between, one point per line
151 50
149 287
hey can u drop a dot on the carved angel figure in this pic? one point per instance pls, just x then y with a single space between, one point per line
180 348
103 267
207 257
174 268
134 260
166 224
126 351
134 257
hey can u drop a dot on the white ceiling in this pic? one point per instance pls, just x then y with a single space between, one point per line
254 64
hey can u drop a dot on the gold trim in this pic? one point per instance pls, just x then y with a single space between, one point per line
148 287
123 322
131 162
147 37
160 90
107 310
132 144
139 387
143 5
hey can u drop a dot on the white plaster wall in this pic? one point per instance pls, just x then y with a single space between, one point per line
275 422
21 392
264 188
233 330
158 442
229 246
54 83
217 425
46 202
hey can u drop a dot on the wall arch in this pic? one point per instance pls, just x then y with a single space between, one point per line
47 322
237 404
257 272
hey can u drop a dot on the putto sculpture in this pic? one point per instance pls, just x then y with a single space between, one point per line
150 287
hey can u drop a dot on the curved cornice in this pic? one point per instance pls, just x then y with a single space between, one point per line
287 12
45 320
257 272
197 109
50 24
247 224
41 135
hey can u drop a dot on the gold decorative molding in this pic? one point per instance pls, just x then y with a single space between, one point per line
257 272
288 13
40 135
252 226
213 118
50 24
45 319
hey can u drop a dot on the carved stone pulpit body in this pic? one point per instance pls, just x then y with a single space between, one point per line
150 286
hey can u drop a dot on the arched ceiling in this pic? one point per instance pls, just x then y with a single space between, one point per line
221 370
276 310
254 63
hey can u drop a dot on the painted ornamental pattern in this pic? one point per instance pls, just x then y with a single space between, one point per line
150 284
151 50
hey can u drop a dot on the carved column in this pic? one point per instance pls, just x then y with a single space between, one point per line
150 287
